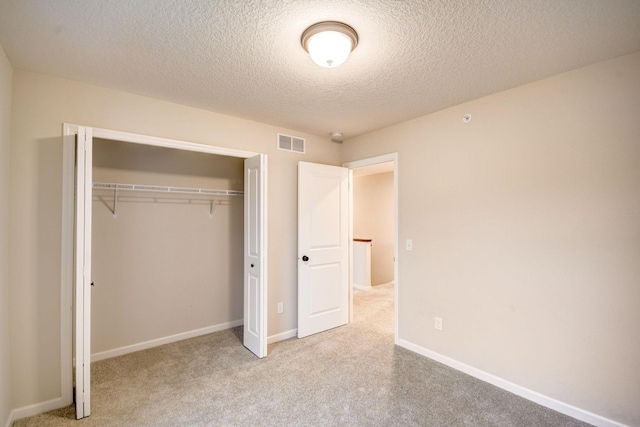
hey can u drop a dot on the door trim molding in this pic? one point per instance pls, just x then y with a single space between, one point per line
391 157
166 142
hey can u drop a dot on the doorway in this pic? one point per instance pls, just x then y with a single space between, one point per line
377 174
167 256
77 231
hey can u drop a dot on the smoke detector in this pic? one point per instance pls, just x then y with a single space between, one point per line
336 136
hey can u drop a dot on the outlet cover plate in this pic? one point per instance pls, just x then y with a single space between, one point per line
437 323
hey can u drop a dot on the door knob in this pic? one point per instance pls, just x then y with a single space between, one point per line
305 258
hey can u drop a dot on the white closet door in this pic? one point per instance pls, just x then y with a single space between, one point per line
82 277
255 262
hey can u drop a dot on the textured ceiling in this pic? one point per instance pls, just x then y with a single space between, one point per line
244 58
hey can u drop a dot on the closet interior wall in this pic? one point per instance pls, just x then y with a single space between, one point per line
164 265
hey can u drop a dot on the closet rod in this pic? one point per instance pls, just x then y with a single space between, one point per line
162 189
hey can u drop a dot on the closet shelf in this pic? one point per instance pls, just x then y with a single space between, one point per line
162 189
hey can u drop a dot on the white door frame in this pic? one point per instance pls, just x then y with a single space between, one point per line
392 157
82 276
69 132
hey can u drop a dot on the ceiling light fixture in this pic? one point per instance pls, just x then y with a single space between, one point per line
329 43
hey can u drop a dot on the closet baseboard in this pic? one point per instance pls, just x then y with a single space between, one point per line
282 336
183 336
165 340
35 409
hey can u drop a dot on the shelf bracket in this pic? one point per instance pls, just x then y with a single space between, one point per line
212 206
115 201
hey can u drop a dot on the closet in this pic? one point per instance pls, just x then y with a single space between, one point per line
167 245
156 255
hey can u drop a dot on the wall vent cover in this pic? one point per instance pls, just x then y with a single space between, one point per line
291 143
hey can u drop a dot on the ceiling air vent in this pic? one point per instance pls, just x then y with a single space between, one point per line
291 143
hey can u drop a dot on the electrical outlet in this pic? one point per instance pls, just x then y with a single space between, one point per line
409 245
437 323
280 308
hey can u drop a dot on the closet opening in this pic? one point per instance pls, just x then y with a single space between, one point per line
167 246
161 272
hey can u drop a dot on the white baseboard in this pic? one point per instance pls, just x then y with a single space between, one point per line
282 336
549 402
165 340
182 336
383 284
35 409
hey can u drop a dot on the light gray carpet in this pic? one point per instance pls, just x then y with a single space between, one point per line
351 376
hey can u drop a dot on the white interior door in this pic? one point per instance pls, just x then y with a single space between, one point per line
323 248
82 275
255 262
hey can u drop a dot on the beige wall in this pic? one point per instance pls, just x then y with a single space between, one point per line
373 200
163 266
40 105
525 227
6 72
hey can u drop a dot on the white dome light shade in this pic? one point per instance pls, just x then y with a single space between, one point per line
329 43
329 49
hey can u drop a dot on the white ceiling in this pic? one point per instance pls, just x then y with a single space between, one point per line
243 58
